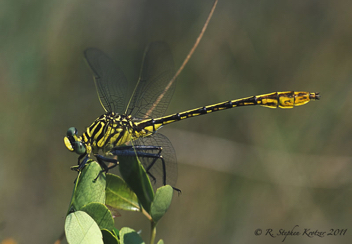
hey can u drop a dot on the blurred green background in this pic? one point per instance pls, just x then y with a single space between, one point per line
240 169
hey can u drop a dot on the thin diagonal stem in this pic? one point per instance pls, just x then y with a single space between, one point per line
185 61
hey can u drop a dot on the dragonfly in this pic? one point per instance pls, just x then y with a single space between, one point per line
132 128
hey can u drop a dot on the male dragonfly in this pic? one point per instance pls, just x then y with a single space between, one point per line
133 129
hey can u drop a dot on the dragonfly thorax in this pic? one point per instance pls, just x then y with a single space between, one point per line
108 131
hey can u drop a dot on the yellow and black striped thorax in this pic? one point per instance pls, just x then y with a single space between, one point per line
109 130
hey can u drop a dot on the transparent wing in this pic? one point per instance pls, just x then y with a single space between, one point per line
152 94
159 169
110 82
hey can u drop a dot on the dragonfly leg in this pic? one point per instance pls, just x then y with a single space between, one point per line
101 160
176 189
139 151
157 156
122 148
136 150
164 171
81 164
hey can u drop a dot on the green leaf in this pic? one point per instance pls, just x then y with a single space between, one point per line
109 237
101 214
81 228
129 236
116 232
86 189
160 241
135 176
119 195
161 203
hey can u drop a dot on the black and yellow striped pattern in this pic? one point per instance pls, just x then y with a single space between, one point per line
287 99
112 129
144 113
108 131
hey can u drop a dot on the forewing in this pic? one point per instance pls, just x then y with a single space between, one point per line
153 92
110 82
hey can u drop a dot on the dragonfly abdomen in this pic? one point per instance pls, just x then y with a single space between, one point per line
287 99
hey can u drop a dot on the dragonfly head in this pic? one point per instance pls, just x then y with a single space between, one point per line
73 142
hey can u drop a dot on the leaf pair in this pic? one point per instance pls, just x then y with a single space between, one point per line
87 214
89 219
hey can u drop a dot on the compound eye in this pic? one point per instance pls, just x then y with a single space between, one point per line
71 131
79 147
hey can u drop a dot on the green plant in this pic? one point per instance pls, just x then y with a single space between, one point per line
89 219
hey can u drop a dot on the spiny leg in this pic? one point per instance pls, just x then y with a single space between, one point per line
122 151
101 160
80 163
137 147
136 151
168 154
155 156
158 156
130 151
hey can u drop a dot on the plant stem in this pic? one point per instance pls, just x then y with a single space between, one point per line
152 232
146 214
